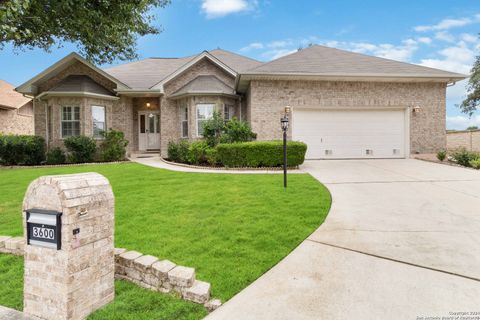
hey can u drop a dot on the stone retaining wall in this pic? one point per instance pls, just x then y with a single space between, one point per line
144 270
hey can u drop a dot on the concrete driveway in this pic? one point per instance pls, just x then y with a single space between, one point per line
402 241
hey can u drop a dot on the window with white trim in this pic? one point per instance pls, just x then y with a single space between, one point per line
70 124
184 121
228 111
204 113
98 119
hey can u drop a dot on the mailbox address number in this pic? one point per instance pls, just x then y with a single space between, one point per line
44 233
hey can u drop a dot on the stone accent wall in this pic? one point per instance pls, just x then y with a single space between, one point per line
12 245
469 140
169 113
18 121
145 271
163 276
427 128
77 68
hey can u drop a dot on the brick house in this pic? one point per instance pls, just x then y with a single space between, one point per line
344 104
16 111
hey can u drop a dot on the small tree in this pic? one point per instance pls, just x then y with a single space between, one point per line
213 129
472 128
472 102
114 146
237 131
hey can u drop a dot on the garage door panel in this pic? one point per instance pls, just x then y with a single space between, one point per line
350 133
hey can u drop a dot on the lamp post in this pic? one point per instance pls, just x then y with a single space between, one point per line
284 123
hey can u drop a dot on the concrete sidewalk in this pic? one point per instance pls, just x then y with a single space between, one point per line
402 241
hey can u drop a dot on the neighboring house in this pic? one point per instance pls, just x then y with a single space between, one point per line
16 111
344 104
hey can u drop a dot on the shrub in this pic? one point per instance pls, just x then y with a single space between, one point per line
22 150
212 156
237 131
475 163
213 129
463 157
56 156
178 152
114 146
441 155
261 154
197 152
80 149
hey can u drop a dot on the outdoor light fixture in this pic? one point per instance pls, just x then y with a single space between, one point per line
416 109
148 104
284 124
150 115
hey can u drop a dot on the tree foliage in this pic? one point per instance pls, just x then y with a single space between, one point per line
472 101
103 30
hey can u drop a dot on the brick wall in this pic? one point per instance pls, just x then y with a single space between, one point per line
266 100
18 121
469 140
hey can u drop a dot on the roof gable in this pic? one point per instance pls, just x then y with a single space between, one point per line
204 84
31 86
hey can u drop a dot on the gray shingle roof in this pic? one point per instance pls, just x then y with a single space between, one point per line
146 73
330 61
80 83
204 85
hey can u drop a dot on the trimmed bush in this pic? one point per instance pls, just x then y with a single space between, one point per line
22 150
261 154
197 152
463 157
441 155
80 149
475 164
212 156
178 152
114 146
56 156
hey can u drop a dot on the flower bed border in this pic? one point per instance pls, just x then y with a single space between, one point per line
191 166
65 165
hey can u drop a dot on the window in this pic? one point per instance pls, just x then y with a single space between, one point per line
70 121
98 118
204 112
184 122
228 112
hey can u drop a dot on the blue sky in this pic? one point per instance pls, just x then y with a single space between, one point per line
441 34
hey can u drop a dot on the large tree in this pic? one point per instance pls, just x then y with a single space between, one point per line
472 101
103 30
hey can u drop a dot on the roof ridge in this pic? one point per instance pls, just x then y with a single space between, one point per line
237 54
354 54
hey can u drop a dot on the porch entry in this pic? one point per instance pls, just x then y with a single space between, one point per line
149 130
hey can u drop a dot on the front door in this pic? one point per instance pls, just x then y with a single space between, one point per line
149 131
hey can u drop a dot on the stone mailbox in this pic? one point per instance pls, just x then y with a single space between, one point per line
69 256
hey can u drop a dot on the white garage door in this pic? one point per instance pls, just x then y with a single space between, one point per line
352 134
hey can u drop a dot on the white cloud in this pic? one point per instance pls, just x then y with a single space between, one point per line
252 46
220 8
425 40
456 59
462 122
446 24
444 36
402 52
280 44
467 37
277 53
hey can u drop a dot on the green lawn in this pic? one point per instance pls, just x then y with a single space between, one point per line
230 227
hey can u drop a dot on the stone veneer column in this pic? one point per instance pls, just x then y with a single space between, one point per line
74 281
